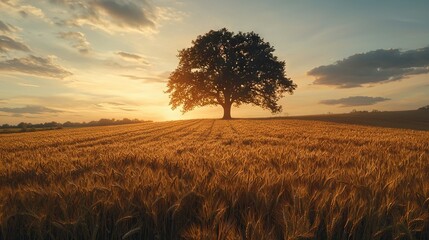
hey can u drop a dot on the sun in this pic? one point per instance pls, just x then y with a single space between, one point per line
170 115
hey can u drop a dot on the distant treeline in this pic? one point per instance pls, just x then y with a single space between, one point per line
365 111
56 125
425 108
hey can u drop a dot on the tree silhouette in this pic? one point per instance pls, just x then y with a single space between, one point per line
223 68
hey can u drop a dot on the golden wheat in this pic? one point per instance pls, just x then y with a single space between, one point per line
215 179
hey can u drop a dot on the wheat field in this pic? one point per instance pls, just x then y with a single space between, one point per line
216 179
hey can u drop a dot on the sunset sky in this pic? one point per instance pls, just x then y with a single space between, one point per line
82 60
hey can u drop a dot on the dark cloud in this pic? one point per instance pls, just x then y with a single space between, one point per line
78 41
373 67
7 43
33 65
124 14
354 101
31 109
127 13
4 27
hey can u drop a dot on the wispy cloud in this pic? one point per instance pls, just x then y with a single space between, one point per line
116 103
128 66
109 104
7 43
128 109
6 28
373 67
78 41
26 10
133 77
31 109
33 65
115 106
157 78
27 85
354 101
23 9
72 101
19 115
129 55
133 57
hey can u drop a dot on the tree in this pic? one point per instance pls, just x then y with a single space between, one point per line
223 68
424 108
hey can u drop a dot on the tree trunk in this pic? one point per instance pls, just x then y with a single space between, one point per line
227 111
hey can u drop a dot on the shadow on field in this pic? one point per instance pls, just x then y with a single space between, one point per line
415 120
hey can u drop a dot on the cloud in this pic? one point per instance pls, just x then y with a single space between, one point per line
7 4
33 65
133 57
128 109
24 10
78 41
132 77
129 55
126 66
354 101
113 15
373 67
31 109
159 78
6 28
27 85
136 14
108 104
71 101
116 103
7 43
115 106
17 115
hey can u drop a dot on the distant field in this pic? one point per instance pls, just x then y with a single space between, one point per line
417 119
216 179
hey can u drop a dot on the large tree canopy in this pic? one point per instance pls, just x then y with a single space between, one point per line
223 68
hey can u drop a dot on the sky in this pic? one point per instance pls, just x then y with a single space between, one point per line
82 60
